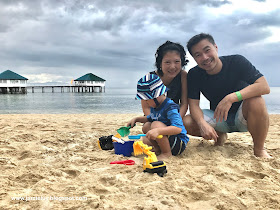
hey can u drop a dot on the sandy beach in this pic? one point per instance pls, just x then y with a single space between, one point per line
53 162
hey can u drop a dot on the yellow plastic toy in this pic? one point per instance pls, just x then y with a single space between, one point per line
150 163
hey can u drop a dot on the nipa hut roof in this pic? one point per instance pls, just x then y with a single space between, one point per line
10 75
89 77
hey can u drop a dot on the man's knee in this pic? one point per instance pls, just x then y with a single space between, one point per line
254 102
255 105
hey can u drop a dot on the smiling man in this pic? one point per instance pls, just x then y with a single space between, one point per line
234 88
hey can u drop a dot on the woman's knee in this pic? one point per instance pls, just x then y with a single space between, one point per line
190 125
187 120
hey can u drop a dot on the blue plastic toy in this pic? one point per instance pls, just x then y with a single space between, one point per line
140 135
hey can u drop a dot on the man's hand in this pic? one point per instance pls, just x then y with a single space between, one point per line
208 132
221 111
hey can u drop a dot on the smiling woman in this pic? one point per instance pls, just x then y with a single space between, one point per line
170 62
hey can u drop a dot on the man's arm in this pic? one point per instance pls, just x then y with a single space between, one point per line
258 88
206 131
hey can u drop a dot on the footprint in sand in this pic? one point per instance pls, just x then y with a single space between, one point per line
254 175
29 178
5 147
72 173
25 154
7 162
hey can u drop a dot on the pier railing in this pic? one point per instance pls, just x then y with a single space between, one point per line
68 88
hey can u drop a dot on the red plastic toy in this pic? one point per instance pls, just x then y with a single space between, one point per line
125 162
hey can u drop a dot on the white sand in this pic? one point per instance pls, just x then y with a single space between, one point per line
56 156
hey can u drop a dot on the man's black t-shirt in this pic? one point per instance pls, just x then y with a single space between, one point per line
237 73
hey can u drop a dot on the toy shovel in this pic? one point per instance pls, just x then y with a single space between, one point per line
140 135
124 131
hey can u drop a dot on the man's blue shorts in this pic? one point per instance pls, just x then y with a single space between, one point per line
235 121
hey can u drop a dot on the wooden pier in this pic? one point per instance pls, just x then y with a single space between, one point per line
69 88
11 82
13 90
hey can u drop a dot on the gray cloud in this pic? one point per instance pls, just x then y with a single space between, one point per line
214 3
118 39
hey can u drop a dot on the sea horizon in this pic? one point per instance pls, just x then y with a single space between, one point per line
112 101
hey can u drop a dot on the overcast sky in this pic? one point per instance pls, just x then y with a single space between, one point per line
61 40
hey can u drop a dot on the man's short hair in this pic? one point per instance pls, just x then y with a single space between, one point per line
197 38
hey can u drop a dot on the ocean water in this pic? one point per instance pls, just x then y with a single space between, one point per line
112 101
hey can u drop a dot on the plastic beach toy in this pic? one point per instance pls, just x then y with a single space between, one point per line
151 163
124 131
125 162
116 139
140 135
105 142
123 149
